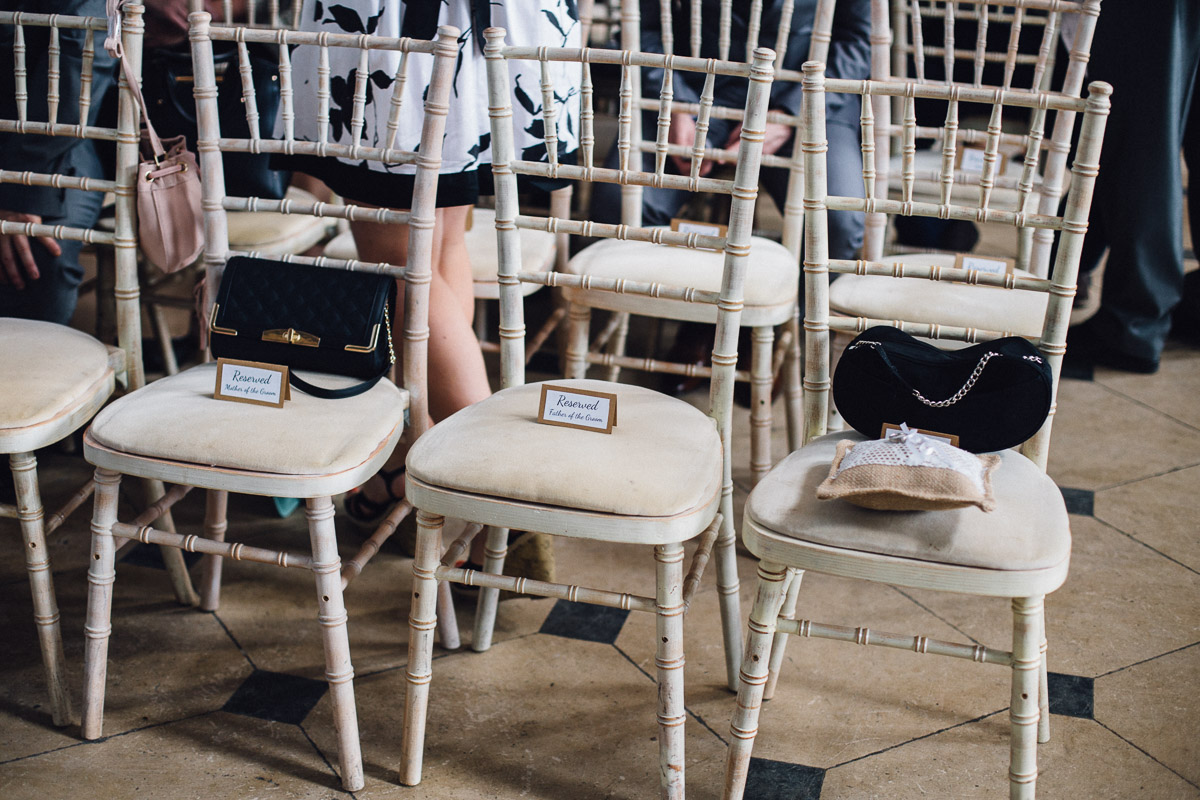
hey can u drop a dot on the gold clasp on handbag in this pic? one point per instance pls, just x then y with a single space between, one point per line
291 336
370 347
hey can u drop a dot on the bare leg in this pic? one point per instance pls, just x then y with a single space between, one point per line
458 376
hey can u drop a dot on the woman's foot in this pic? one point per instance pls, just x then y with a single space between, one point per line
367 505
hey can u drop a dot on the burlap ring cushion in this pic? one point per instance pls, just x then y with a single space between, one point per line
908 471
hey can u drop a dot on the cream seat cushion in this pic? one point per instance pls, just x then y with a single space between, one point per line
927 167
537 253
772 279
662 459
1019 312
1027 531
177 418
47 371
268 232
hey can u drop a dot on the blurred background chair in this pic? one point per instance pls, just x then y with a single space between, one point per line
1021 550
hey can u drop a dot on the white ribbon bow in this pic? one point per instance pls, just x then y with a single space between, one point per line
922 449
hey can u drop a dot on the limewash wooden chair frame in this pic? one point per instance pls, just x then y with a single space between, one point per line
41 402
671 462
935 174
1019 551
133 437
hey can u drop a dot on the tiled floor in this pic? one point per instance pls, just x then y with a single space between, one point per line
231 704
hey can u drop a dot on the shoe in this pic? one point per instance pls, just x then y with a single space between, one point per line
1086 346
365 513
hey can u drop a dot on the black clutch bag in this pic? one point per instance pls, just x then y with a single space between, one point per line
305 317
992 396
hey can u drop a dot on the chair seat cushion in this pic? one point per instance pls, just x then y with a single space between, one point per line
662 459
1028 530
269 232
537 253
47 370
772 279
1018 312
177 418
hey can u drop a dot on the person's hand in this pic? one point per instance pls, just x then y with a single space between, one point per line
775 137
683 131
16 255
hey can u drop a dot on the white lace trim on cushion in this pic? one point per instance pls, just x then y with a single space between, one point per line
907 448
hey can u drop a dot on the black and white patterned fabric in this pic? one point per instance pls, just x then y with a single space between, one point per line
467 143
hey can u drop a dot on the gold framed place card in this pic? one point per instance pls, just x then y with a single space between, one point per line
703 228
577 408
948 438
989 265
252 382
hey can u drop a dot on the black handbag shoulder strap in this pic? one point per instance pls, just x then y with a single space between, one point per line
335 394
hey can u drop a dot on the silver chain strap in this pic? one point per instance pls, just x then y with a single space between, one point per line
966 387
961 393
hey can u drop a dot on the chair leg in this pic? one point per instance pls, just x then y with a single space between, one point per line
215 505
793 386
37 564
177 569
1023 712
331 610
729 591
1043 688
779 647
489 599
579 323
422 619
767 602
669 660
761 381
616 345
98 627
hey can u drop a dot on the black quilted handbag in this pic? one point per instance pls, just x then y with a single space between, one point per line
993 395
306 317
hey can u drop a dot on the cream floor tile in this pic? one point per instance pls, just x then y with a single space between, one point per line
971 761
835 701
1173 390
1102 439
211 756
538 717
1154 706
1160 511
1121 604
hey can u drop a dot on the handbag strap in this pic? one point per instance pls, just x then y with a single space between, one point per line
335 394
112 44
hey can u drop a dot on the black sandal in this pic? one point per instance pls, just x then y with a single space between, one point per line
367 513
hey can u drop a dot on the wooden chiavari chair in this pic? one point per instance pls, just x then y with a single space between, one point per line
310 448
1021 550
660 479
55 378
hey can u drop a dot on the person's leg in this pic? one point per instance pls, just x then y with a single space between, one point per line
52 297
1138 195
457 375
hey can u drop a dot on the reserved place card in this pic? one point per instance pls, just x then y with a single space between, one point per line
577 408
991 265
252 382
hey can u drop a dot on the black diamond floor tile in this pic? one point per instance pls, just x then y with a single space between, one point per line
1071 695
150 555
277 697
779 780
1079 501
583 621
